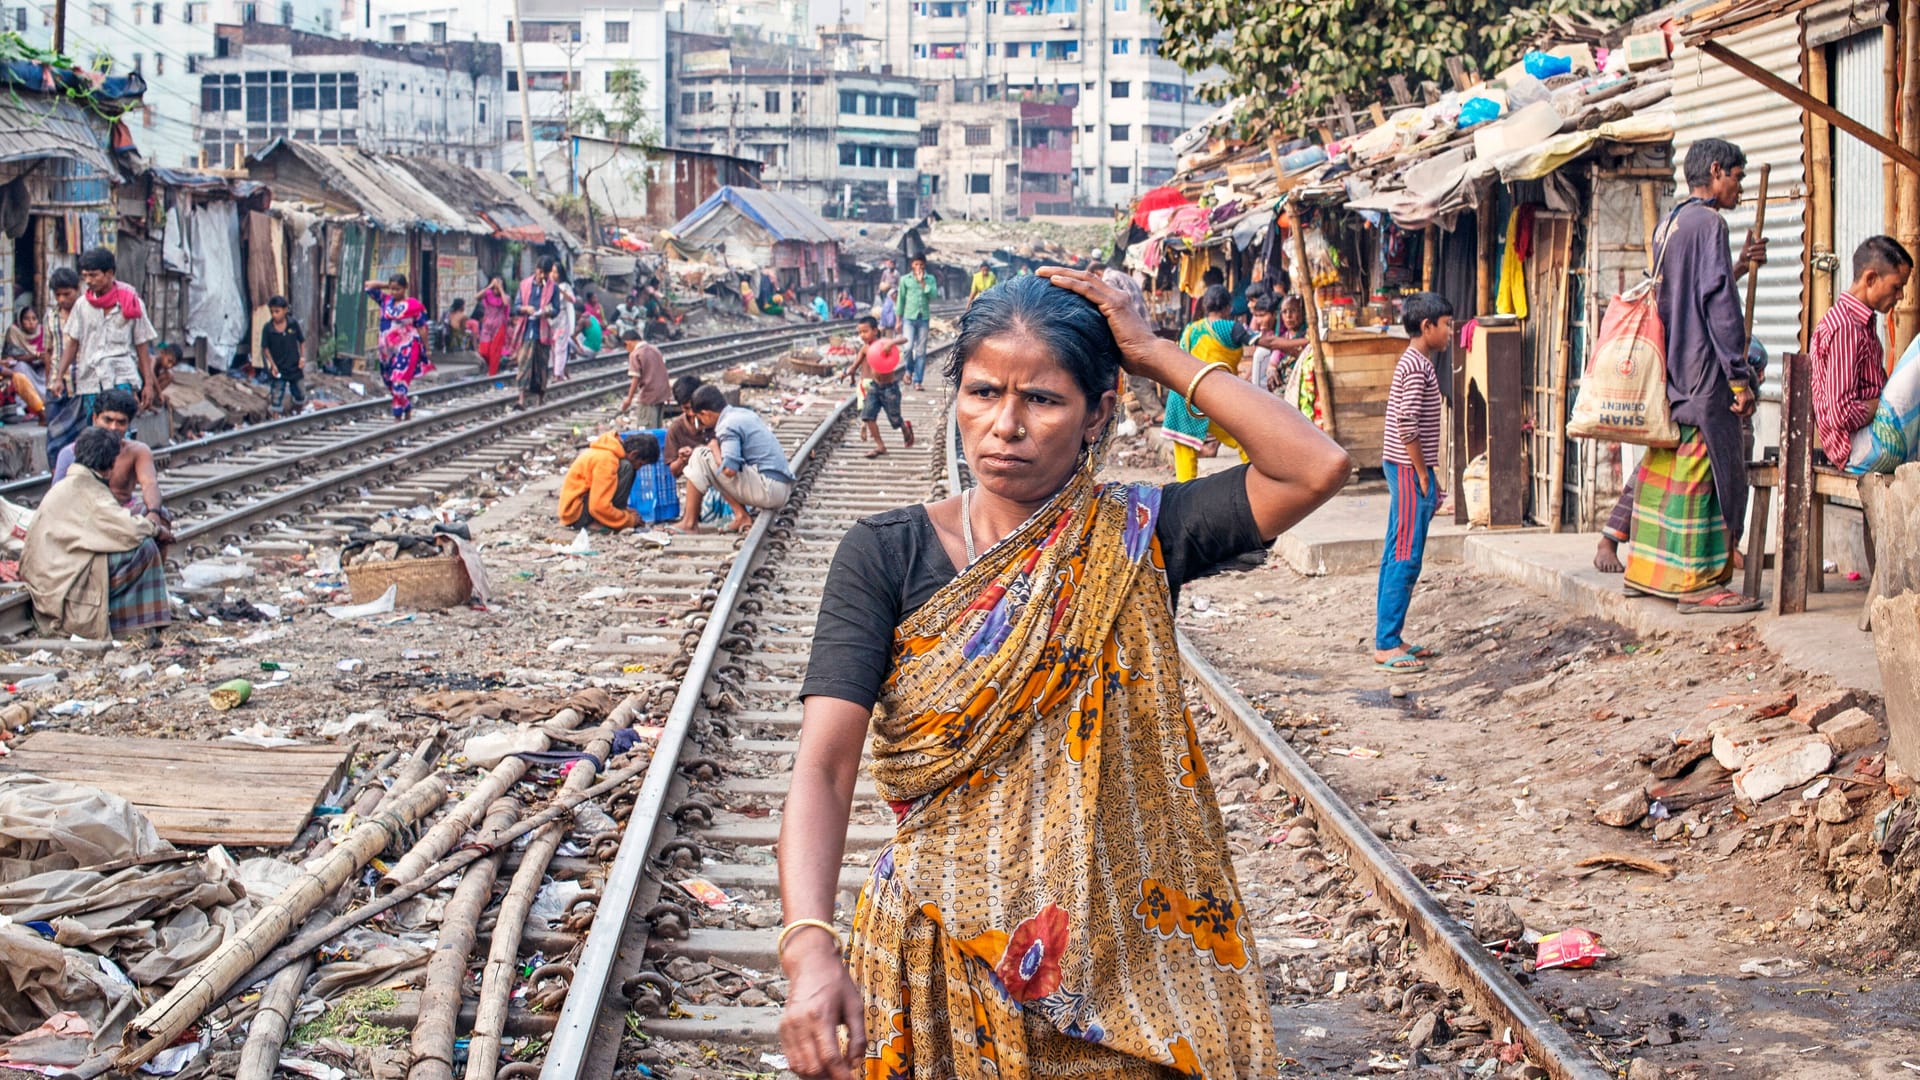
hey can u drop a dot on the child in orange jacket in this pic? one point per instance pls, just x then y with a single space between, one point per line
600 480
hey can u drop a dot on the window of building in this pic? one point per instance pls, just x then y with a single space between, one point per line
193 63
437 33
210 94
686 97
306 92
398 33
1013 133
849 154
554 81
941 9
909 107
1120 47
349 91
100 14
849 101
159 63
192 12
979 135
249 13
256 86
1166 91
617 33
1162 133
979 183
140 62
553 30
869 156
1120 88
515 131
1156 174
770 100
1150 46
1116 174
929 91
930 135
509 31
797 101
157 9
483 111
1119 132
1119 5
993 48
904 157
870 104
139 14
885 101
513 81
705 101
1063 50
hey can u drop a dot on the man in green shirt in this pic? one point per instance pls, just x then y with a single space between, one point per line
918 291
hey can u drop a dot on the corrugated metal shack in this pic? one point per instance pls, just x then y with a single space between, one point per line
354 216
753 229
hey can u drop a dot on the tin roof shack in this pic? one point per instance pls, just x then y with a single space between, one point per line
182 244
650 187
446 226
60 134
752 228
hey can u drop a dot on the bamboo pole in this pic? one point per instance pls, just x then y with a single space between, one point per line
1890 121
1759 230
434 1032
1429 255
1562 361
273 1017
1820 173
454 823
509 925
1906 316
203 987
308 940
1322 378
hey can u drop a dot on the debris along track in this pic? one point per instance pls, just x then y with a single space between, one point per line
315 488
684 936
1328 894
672 599
297 437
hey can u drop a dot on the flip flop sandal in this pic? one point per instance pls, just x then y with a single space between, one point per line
1421 652
1720 603
1404 664
874 454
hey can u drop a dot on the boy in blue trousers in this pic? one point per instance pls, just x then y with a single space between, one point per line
1412 448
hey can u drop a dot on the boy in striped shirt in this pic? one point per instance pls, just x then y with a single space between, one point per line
1412 447
1849 364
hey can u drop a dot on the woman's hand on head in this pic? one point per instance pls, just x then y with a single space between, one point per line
821 998
1139 345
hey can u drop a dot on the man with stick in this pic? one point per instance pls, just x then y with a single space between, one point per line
1686 509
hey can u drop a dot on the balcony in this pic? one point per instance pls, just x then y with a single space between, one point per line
1047 160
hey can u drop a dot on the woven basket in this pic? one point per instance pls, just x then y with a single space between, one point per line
424 584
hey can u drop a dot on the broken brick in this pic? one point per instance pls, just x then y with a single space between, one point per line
1782 764
1850 731
1819 710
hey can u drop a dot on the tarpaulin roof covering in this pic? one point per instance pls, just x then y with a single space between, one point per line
33 127
400 193
781 215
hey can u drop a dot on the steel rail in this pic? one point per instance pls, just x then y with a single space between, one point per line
1484 981
239 438
567 1052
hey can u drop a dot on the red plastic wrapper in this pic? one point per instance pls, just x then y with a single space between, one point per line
1573 947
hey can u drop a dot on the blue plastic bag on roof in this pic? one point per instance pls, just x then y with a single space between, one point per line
1478 110
1543 66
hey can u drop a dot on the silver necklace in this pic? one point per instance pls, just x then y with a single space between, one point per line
966 521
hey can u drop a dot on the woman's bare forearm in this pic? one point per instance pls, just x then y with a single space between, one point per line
813 825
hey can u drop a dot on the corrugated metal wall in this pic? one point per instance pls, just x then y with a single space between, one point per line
1859 183
1714 101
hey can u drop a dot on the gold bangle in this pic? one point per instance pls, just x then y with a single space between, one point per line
1205 371
780 945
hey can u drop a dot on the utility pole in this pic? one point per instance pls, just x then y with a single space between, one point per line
526 104
59 26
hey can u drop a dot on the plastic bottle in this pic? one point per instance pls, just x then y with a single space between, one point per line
32 682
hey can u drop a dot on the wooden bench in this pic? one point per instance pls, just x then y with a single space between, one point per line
1805 489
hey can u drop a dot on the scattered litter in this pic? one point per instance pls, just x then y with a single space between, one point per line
1356 751
560 645
553 901
603 592
231 694
333 729
582 545
705 891
420 654
1574 947
209 573
351 664
174 1058
358 388
1773 967
490 749
655 536
83 707
774 1061
261 735
314 1069
1623 861
382 606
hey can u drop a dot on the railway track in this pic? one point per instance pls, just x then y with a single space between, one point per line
291 481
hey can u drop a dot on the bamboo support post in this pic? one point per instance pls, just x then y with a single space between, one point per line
454 823
273 1017
1562 361
1303 284
209 981
1759 231
1890 121
308 940
1649 217
1429 256
438 1026
1906 315
509 925
1820 209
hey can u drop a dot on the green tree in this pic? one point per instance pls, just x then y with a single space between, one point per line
1289 59
620 117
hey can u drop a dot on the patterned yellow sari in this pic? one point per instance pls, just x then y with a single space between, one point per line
1059 898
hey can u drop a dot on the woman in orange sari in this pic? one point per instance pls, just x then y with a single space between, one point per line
1058 898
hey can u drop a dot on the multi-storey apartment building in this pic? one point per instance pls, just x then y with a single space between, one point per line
265 82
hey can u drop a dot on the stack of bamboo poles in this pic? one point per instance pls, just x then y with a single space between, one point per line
313 903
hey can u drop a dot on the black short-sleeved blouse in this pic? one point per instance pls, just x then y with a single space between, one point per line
889 564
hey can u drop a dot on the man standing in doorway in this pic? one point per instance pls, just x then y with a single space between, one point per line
918 291
106 339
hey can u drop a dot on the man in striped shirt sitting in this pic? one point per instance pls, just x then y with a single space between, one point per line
1849 364
1412 448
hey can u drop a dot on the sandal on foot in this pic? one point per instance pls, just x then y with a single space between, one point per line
1404 664
1721 603
874 454
1421 652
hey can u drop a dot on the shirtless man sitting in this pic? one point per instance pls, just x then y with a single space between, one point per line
134 467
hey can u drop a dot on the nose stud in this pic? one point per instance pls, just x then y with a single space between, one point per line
1021 433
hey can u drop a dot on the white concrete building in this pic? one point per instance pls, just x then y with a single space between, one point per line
574 48
781 22
1101 56
269 82
166 41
